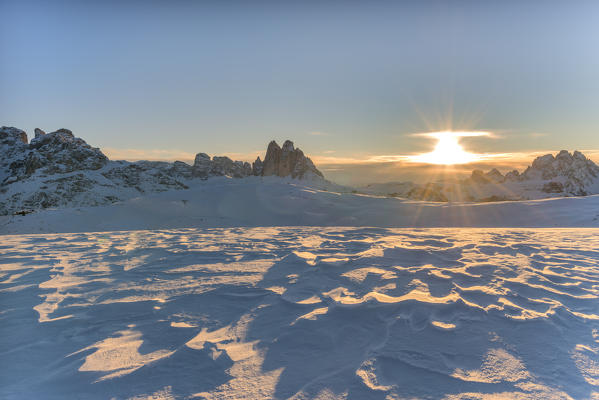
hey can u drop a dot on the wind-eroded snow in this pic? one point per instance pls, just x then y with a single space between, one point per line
307 312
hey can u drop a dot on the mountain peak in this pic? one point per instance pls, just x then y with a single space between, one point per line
565 172
288 161
11 135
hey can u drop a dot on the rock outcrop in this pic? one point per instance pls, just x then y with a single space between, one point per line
288 161
205 167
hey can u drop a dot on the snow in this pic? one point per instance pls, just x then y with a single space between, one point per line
301 312
264 287
272 201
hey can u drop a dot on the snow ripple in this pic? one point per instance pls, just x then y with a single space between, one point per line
301 313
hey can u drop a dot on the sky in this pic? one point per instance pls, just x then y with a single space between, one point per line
347 81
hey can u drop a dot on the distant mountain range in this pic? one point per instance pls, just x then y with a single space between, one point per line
58 169
565 174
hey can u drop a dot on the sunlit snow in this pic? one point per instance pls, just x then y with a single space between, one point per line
301 312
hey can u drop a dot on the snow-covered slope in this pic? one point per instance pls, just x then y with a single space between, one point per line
565 174
273 201
301 313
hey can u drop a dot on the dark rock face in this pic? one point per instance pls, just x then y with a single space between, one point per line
257 167
202 166
272 160
288 161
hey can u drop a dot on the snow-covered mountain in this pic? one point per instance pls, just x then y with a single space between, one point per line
565 174
58 169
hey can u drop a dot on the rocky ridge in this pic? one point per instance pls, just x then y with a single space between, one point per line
58 169
565 174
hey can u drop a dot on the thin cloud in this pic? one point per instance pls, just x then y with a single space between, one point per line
511 157
439 134
317 133
169 155
324 160
147 154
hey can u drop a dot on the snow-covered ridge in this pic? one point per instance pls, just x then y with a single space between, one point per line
58 169
562 175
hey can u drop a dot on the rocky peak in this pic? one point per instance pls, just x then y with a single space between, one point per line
288 146
493 176
12 136
257 167
272 160
38 132
201 166
577 155
513 175
564 165
56 152
201 158
288 161
543 162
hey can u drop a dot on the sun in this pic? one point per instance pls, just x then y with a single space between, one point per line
448 150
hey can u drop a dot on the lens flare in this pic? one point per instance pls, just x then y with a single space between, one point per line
448 150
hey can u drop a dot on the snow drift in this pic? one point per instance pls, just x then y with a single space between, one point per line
303 313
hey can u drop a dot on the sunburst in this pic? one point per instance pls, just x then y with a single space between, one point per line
448 150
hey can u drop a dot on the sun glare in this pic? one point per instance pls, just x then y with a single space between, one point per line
448 150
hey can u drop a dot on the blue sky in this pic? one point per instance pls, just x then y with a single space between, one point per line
347 80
